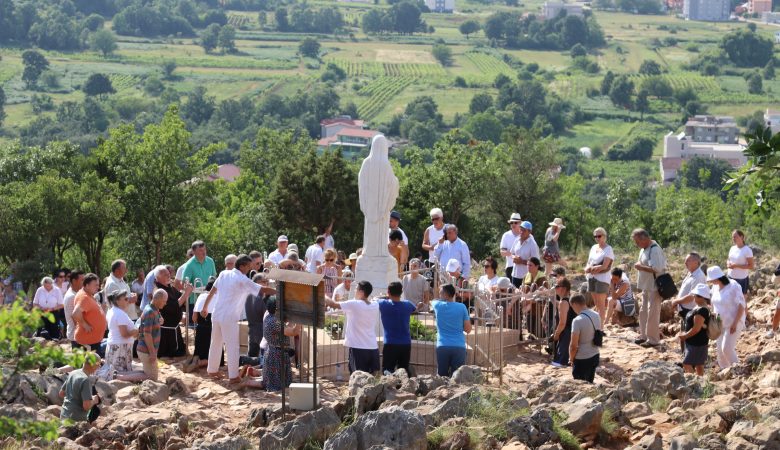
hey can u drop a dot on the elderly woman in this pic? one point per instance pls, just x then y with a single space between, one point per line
277 358
740 261
729 303
597 269
121 336
550 251
621 297
452 325
171 341
48 298
694 334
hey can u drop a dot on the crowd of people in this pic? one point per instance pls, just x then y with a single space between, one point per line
144 319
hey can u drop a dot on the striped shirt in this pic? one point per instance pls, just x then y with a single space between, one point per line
150 325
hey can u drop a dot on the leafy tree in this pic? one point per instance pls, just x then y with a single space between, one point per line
422 134
494 27
650 67
469 27
309 47
333 73
154 86
154 173
755 84
280 17
685 95
642 104
762 170
712 218
484 126
656 86
406 17
98 85
578 50
2 106
199 106
443 54
95 117
769 70
103 41
606 82
34 65
98 208
168 67
621 90
579 216
480 102
227 39
574 31
94 22
745 48
703 173
209 38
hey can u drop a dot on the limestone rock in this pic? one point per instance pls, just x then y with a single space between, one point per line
534 430
360 379
67 444
649 442
428 383
684 442
317 425
632 410
106 391
737 443
152 392
468 375
369 398
658 378
583 418
227 443
770 379
394 428
176 386
450 402
460 440
18 412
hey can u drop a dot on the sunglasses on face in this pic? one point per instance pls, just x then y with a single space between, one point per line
329 260
434 219
598 236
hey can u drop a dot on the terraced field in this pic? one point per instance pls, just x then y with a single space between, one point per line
379 91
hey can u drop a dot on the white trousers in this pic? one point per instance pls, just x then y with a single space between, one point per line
224 333
726 346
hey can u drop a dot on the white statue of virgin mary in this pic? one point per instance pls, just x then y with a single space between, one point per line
378 190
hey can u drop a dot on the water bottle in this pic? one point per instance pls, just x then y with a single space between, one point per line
339 376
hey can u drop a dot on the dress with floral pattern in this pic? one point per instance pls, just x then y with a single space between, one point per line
276 358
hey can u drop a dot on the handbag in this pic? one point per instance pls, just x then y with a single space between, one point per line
714 327
598 335
664 283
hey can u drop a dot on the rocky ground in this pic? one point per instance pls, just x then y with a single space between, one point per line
641 400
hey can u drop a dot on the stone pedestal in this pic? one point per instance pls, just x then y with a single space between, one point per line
380 271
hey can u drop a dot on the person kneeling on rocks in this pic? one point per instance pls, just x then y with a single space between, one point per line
77 392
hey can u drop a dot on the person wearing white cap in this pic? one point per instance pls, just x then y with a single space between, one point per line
280 253
508 240
434 233
550 251
694 334
453 247
524 248
729 303
651 263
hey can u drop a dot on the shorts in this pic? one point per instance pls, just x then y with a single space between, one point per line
366 360
150 367
744 283
597 287
695 355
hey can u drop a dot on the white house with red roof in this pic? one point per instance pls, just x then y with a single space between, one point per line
345 132
329 127
680 147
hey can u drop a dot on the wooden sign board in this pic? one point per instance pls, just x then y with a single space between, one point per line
301 295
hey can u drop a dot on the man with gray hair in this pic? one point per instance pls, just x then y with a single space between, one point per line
433 233
651 263
149 333
149 285
452 247
230 261
685 300
116 283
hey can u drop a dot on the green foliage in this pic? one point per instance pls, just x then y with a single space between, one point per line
763 168
468 27
650 67
403 17
484 127
98 85
2 106
154 19
168 67
703 173
480 102
638 148
443 54
34 65
755 84
745 48
769 70
209 38
420 332
576 213
226 40
606 82
199 106
568 440
620 91
658 402
578 50
608 424
41 103
334 73
559 33
103 41
154 86
309 47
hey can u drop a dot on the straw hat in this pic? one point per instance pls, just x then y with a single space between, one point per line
558 223
515 217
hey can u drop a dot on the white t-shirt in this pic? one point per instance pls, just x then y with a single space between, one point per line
48 299
276 257
314 254
69 306
739 256
690 281
180 272
201 301
361 323
340 292
433 238
596 257
233 287
329 242
116 317
507 241
525 250
485 283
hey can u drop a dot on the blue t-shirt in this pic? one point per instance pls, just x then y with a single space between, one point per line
395 320
449 323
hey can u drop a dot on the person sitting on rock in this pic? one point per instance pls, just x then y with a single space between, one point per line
77 391
694 334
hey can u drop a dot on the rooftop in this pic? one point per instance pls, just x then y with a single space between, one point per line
345 120
709 121
227 172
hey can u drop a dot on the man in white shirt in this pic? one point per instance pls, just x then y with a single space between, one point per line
651 263
508 241
342 290
278 255
433 233
452 247
685 300
178 281
48 298
395 221
116 282
315 254
360 329
524 248
69 304
232 288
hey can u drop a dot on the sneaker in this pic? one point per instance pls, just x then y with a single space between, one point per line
648 344
556 364
639 341
770 334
